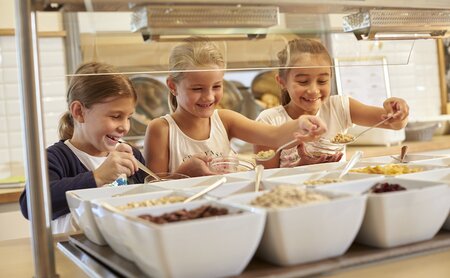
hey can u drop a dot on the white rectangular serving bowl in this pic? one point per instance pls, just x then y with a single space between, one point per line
437 175
301 178
401 217
424 166
409 158
331 166
105 221
79 201
218 246
441 161
308 232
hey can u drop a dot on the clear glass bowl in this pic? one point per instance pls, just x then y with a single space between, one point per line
323 147
230 164
165 177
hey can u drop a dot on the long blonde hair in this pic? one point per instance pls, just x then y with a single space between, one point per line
195 52
92 83
290 55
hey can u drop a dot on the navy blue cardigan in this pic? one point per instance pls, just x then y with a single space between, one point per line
66 172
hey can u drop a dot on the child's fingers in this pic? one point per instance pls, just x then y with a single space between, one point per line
124 147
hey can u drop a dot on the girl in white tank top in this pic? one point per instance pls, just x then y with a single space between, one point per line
195 126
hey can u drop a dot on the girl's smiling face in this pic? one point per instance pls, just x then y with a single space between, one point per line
308 85
102 125
199 92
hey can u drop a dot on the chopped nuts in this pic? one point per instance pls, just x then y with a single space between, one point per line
321 181
284 196
153 202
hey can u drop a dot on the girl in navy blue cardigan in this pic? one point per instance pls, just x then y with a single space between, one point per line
100 104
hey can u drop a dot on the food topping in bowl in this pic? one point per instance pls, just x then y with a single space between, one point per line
342 138
183 214
284 196
321 181
388 169
153 202
386 187
265 154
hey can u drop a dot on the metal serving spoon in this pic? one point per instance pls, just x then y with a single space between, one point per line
364 131
272 155
142 166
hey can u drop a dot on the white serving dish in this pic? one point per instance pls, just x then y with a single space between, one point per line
437 175
79 202
402 217
331 166
105 220
301 178
308 232
250 175
218 246
409 158
441 161
424 166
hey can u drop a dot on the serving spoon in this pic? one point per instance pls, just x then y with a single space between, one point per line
363 132
273 153
403 152
207 189
142 166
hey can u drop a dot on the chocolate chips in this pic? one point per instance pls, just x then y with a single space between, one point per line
183 214
386 187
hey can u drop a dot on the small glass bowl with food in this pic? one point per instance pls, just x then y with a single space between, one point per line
230 164
165 177
323 148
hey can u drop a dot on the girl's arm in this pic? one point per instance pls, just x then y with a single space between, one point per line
305 128
156 146
367 115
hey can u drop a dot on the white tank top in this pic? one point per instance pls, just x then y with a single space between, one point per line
183 147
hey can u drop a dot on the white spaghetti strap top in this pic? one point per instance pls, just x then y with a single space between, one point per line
182 147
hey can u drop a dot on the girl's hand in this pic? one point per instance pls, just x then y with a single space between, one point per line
311 128
398 109
196 166
121 161
305 159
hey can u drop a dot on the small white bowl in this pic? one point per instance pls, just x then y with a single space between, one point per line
218 246
401 217
308 232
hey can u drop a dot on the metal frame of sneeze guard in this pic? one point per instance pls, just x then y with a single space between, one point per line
398 24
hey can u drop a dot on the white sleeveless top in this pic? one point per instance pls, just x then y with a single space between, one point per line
335 113
182 147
